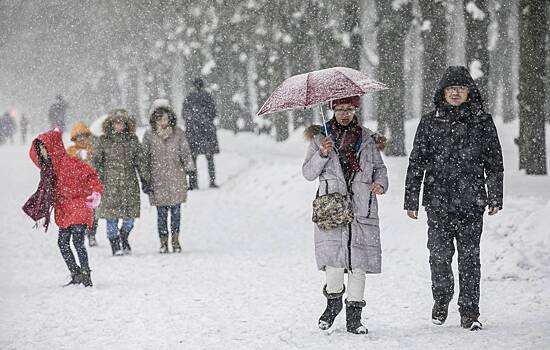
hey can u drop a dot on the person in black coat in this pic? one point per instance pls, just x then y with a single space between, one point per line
457 157
23 128
57 113
199 112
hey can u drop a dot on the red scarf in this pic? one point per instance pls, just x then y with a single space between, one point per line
345 139
40 204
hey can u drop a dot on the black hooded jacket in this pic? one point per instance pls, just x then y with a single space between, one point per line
456 153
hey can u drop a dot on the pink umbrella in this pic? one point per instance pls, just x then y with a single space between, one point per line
309 89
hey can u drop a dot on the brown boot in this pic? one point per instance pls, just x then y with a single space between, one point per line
176 248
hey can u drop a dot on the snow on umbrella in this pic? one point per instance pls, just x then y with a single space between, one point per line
310 89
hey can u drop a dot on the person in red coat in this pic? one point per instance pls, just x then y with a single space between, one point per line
73 189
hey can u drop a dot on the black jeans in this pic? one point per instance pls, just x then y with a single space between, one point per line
77 232
162 219
193 180
443 229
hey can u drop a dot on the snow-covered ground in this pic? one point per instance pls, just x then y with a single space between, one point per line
246 278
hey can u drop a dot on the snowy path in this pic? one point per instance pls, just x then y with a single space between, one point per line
247 279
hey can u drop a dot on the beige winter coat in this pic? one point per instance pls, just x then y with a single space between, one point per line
169 159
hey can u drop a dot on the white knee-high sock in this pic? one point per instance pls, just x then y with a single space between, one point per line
335 279
356 285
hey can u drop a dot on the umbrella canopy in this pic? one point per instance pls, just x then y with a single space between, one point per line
309 89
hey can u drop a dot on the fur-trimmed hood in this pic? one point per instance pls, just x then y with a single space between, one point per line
313 130
162 104
123 115
79 128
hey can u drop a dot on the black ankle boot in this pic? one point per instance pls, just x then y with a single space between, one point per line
115 246
164 244
86 277
334 306
439 313
76 277
176 247
353 317
126 249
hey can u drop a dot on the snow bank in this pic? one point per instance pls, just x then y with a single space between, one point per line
517 246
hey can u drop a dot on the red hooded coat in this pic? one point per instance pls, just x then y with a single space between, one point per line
75 181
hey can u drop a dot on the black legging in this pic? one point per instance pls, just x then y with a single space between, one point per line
63 241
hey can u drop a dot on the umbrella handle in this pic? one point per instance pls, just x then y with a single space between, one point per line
325 126
324 120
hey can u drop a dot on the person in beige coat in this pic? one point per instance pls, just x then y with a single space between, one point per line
169 160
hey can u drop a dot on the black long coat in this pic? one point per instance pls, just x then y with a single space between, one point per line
456 154
57 114
199 112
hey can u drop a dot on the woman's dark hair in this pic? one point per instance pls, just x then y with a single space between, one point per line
41 161
158 113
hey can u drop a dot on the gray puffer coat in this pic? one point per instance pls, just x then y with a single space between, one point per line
355 246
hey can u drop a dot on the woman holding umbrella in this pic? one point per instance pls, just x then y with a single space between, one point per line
346 159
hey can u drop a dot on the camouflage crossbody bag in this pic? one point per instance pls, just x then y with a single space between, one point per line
332 209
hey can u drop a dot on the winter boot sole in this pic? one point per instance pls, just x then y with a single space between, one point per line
471 324
359 330
476 326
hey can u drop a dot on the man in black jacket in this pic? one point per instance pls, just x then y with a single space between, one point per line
458 158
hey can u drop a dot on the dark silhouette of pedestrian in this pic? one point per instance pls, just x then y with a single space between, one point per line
58 113
199 112
23 128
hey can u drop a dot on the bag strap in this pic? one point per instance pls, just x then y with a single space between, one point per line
326 189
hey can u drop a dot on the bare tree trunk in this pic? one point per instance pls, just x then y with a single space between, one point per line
393 26
323 11
533 29
500 82
477 46
547 87
226 40
151 87
300 52
352 32
434 35
132 97
279 63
